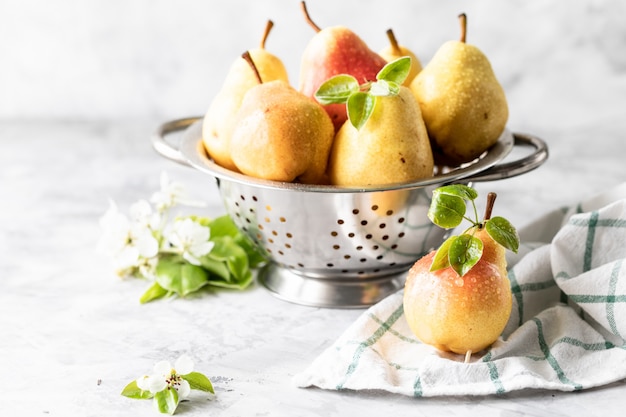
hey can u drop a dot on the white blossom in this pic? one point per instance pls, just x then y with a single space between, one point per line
190 239
170 194
142 216
165 375
131 245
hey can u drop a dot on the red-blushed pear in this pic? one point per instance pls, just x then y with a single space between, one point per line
394 51
332 51
218 123
281 135
465 306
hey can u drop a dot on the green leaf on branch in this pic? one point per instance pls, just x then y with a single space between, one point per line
503 232
199 381
234 259
215 267
176 275
166 401
153 293
465 252
224 226
133 391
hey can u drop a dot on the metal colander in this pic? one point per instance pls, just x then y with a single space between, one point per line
332 246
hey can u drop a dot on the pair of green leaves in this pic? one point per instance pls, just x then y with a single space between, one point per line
228 265
447 210
166 401
360 99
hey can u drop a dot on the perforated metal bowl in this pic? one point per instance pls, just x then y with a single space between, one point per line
331 246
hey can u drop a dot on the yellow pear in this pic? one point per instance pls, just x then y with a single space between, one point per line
391 147
282 135
463 104
218 123
394 51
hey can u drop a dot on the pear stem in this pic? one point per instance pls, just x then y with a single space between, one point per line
468 356
268 29
246 55
463 22
394 42
491 199
308 17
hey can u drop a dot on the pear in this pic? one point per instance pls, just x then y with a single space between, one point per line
463 104
332 51
395 51
282 135
219 121
391 147
460 313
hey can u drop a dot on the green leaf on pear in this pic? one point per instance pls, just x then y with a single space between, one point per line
395 71
166 400
446 210
133 391
441 259
464 253
360 108
199 381
337 89
503 232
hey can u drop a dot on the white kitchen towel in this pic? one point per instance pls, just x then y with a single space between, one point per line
566 332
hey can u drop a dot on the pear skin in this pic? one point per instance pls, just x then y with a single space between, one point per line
332 51
219 121
395 51
391 147
460 314
282 135
463 104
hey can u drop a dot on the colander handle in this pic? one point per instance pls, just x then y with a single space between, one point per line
519 166
166 148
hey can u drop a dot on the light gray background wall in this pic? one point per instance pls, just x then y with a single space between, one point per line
162 59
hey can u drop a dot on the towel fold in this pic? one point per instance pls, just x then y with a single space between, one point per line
566 332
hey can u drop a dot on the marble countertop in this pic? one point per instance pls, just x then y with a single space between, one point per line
85 86
73 334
